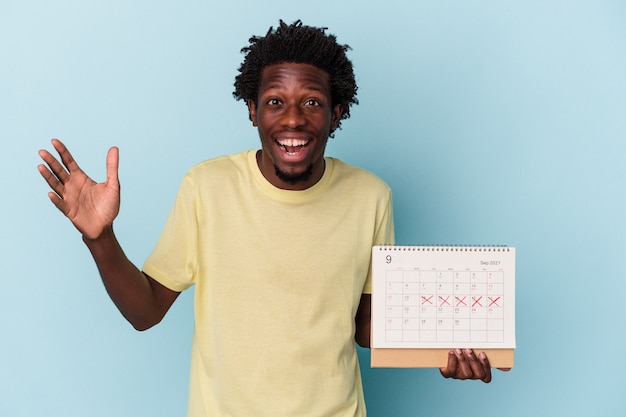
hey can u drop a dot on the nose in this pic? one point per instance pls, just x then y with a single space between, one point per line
294 117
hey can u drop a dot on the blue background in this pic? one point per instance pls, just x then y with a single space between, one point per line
492 121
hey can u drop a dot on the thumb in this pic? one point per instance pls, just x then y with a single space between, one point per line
112 164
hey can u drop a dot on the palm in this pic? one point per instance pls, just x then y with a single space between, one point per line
90 206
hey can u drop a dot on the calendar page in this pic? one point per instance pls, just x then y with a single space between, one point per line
443 297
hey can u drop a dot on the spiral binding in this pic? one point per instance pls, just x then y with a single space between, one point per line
446 248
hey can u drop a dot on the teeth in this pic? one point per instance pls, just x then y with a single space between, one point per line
292 142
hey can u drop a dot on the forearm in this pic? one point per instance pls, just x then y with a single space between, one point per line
130 289
363 321
362 336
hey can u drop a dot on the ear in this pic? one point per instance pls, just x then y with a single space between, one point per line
252 112
335 117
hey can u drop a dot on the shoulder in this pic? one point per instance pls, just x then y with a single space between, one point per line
219 169
356 177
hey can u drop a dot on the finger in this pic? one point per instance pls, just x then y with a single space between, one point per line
476 366
54 166
112 166
464 368
486 367
66 157
58 202
449 371
51 179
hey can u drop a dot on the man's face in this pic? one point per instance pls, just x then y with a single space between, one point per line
294 116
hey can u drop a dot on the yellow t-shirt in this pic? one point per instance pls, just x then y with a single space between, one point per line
278 275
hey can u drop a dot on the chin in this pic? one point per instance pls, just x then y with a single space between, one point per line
293 178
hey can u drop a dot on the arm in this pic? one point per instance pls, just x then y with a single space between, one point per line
363 321
141 300
92 207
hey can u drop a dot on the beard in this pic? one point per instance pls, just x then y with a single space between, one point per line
293 179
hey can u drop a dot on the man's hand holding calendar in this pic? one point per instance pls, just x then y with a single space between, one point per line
464 364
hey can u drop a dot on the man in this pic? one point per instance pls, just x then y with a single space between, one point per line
277 243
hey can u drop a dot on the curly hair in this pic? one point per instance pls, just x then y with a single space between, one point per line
300 44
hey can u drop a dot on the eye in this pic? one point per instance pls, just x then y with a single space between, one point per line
312 102
273 102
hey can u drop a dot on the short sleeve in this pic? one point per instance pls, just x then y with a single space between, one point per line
173 260
384 236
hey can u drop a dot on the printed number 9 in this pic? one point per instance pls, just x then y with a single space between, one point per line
388 259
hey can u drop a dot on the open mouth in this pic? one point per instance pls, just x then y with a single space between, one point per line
292 146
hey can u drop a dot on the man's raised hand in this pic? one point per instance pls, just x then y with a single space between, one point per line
90 206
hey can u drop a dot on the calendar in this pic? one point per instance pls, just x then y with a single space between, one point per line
427 300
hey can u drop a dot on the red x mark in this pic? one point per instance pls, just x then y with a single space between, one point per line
476 301
460 301
444 300
426 300
493 301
